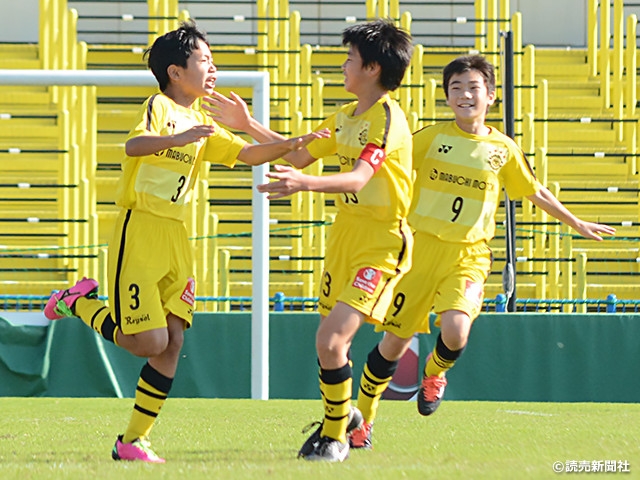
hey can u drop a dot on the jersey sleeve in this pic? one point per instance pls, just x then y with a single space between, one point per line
517 176
421 143
223 147
149 116
324 147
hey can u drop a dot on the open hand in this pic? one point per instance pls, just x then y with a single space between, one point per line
232 112
288 180
304 140
594 230
194 134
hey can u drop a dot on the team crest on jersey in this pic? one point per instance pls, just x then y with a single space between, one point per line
367 279
363 135
189 293
497 158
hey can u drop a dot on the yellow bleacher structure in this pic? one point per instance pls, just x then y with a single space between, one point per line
47 208
575 112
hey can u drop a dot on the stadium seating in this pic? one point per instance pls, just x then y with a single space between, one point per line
575 114
46 190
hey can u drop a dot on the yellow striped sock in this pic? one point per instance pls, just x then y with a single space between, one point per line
97 316
336 387
151 393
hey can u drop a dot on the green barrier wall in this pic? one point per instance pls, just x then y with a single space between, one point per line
522 357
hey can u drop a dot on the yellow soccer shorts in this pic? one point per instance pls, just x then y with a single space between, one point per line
150 272
445 276
364 260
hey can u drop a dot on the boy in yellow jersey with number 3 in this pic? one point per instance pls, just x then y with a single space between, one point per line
151 279
461 167
369 245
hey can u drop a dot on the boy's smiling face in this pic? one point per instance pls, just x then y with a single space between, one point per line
468 97
352 70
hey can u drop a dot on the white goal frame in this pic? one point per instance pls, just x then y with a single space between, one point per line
259 82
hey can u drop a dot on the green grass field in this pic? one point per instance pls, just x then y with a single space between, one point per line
42 438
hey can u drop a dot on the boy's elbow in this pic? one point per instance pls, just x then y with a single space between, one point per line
243 156
246 156
131 148
299 159
355 187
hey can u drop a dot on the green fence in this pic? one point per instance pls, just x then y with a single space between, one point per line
510 357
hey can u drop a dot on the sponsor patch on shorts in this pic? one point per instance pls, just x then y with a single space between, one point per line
473 292
367 279
189 293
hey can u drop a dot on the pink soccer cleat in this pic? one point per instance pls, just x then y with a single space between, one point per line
61 303
139 449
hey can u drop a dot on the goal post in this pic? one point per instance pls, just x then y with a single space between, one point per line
259 82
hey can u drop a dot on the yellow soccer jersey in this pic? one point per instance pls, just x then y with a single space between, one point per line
382 135
162 183
459 178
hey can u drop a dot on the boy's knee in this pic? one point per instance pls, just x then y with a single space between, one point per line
176 340
392 347
150 344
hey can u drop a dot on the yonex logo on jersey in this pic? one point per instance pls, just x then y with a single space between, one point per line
445 148
367 279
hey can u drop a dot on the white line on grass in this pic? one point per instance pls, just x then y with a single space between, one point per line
524 412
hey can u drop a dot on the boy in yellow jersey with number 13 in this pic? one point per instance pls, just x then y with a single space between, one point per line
461 167
369 245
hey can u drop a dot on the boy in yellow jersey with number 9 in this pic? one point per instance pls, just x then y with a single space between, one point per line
460 168
151 279
369 245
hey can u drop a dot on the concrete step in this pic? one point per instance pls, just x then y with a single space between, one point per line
577 104
561 56
565 137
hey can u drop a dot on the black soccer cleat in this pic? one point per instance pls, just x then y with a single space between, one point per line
355 421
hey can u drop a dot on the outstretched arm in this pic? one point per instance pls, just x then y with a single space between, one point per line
288 181
550 204
233 112
149 144
266 152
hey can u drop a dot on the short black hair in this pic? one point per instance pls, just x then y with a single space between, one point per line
173 48
381 42
465 64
